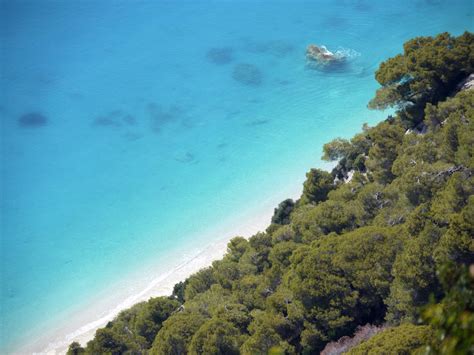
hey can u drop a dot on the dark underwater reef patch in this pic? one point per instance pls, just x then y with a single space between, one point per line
255 100
116 113
220 55
186 157
233 114
32 120
363 6
247 74
258 122
105 121
115 119
160 116
129 120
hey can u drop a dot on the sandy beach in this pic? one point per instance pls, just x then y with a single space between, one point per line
151 281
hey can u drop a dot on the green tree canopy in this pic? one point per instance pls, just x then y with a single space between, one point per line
453 318
427 72
175 336
317 186
404 340
281 215
216 337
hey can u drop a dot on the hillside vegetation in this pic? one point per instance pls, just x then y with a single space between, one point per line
393 246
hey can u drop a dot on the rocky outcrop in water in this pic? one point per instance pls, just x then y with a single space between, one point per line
321 55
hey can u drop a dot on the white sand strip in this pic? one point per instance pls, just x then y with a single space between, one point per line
81 324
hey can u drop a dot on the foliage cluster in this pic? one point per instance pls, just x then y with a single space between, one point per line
404 339
427 72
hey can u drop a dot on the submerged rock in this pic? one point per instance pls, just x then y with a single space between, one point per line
106 121
247 74
129 119
114 119
258 122
220 56
32 120
185 157
284 82
161 116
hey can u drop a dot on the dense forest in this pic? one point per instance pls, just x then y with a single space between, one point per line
376 257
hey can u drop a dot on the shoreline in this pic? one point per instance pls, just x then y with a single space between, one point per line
161 285
81 323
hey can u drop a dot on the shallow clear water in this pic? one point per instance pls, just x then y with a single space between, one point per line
123 134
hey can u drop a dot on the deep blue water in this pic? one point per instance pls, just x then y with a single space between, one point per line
127 126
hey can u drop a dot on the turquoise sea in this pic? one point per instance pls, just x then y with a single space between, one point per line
128 128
